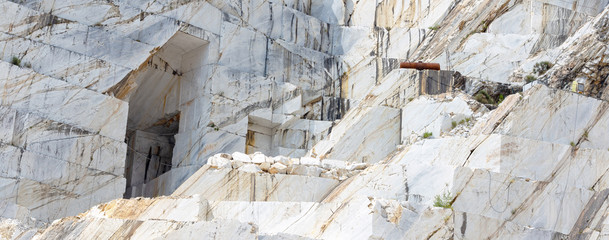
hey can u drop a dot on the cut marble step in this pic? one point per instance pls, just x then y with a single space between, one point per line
520 157
44 201
359 217
234 185
417 184
551 115
430 165
67 180
473 226
529 159
544 205
33 133
259 18
138 24
163 185
93 42
79 228
385 181
360 79
312 33
426 115
106 18
208 16
427 175
59 63
375 218
282 236
181 209
56 100
396 89
377 136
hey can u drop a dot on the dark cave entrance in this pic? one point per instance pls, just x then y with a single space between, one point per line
158 93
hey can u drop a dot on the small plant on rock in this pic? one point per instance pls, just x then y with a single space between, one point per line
434 27
16 61
455 124
542 67
530 78
213 126
427 134
484 26
484 98
585 135
443 200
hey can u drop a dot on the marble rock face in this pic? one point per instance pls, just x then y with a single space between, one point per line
288 119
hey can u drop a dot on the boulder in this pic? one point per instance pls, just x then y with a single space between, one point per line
219 162
241 157
309 161
278 168
333 164
250 168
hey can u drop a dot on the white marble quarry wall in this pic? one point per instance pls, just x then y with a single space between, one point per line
56 151
30 92
253 59
278 53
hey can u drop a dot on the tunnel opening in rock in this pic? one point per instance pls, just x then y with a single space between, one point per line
159 93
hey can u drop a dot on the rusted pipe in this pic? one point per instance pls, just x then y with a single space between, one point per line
420 65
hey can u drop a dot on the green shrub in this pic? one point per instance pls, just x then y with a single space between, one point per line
427 135
484 98
443 200
454 124
434 27
542 67
16 61
484 26
530 78
585 135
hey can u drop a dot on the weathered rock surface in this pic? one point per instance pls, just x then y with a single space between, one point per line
282 119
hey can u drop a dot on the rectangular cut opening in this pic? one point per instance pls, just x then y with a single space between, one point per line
159 93
259 136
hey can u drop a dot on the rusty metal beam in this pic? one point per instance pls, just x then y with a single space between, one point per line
420 65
